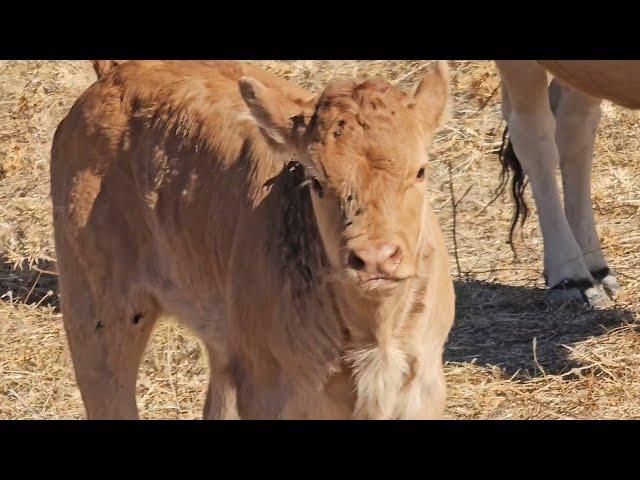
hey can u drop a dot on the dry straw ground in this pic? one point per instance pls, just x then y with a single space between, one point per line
511 354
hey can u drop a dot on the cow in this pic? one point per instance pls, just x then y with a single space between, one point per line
291 233
554 125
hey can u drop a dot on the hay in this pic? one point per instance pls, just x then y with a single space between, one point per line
511 353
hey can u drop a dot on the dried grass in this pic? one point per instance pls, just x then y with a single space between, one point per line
512 354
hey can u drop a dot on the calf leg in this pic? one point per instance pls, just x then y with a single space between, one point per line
106 343
577 118
532 126
221 394
106 350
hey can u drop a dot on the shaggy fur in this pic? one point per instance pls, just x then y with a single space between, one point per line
183 189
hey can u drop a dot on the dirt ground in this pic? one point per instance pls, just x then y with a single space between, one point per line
511 355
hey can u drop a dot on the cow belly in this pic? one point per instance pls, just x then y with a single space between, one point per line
614 80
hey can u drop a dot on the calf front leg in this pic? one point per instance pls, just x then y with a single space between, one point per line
220 403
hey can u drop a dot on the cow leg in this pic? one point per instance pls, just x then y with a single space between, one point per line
577 117
532 127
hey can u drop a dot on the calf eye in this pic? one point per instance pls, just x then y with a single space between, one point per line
420 174
315 184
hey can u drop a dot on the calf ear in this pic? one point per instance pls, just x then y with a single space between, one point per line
432 96
282 119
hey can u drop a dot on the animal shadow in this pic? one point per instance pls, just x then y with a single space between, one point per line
29 285
496 324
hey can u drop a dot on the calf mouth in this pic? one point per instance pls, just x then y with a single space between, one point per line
375 284
379 284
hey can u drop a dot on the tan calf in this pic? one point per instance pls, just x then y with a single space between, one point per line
292 234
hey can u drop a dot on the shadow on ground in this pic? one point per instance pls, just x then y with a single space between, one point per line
496 325
29 284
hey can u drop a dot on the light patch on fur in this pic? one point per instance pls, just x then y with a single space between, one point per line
379 378
413 402
244 116
151 199
188 192
86 187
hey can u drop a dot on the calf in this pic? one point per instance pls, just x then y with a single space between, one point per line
292 234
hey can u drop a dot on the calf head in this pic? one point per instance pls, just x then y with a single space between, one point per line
364 149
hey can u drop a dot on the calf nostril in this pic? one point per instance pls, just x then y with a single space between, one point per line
387 251
396 254
355 261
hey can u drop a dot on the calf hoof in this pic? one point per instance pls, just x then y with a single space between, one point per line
608 280
583 291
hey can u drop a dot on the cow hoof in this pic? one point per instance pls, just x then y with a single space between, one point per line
610 284
583 291
597 298
608 280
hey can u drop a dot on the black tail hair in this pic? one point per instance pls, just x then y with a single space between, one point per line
511 164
